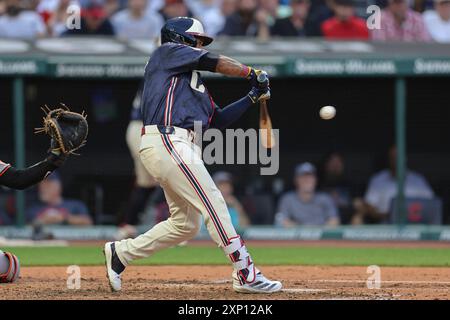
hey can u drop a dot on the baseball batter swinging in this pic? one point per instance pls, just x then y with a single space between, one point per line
174 96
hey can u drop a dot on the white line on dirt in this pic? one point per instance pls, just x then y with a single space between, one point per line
221 281
383 281
303 290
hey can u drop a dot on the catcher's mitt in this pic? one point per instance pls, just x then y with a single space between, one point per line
67 129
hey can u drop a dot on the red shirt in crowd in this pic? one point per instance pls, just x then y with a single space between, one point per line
354 28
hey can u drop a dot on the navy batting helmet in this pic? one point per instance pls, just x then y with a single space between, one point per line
184 30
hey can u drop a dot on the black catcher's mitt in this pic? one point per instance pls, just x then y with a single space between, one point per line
67 129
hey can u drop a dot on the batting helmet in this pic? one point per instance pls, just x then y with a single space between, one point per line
184 30
9 267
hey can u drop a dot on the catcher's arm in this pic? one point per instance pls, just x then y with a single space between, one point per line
23 178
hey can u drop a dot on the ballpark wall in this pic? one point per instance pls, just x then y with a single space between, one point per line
362 131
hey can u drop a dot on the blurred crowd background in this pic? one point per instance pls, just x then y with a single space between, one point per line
401 20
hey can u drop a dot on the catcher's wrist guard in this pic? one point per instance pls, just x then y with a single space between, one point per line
56 159
67 129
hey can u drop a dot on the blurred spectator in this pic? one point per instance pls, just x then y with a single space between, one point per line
54 209
224 182
111 7
245 21
19 23
133 22
7 209
421 5
437 21
2 7
49 8
201 7
383 188
94 21
29 4
55 14
400 23
155 5
214 19
334 182
344 24
319 12
270 7
295 25
306 206
173 9
361 7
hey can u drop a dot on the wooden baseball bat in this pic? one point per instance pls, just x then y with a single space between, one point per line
265 123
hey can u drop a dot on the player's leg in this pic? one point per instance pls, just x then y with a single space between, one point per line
192 182
183 224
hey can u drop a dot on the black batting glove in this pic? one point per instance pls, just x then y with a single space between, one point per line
253 77
259 94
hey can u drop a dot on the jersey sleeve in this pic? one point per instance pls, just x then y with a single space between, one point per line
4 167
181 58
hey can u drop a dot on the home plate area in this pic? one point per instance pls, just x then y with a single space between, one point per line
213 282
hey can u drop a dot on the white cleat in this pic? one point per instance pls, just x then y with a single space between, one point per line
260 285
113 263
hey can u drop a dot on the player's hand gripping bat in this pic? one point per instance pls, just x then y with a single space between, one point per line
265 123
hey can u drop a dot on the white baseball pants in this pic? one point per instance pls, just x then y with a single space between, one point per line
175 162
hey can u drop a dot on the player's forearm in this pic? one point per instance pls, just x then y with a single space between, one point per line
231 67
22 179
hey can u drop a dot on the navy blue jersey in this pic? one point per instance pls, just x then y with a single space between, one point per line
174 94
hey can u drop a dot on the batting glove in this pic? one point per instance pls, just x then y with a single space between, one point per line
259 94
253 77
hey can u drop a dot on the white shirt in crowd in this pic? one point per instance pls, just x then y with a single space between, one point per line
438 28
153 6
383 188
128 27
26 25
213 20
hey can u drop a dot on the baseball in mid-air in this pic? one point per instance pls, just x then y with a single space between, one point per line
327 112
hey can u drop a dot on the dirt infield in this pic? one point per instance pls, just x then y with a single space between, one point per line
213 282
